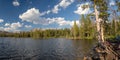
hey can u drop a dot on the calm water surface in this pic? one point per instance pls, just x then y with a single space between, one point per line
44 49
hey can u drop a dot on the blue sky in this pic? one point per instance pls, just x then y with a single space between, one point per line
24 15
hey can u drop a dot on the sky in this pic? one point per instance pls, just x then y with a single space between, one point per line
25 15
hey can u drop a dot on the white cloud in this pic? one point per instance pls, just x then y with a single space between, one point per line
7 24
28 26
112 2
56 9
33 15
12 26
61 21
77 22
80 10
65 3
62 4
1 20
45 12
7 29
16 3
16 25
48 11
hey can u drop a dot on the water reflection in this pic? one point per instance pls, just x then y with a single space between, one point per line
41 49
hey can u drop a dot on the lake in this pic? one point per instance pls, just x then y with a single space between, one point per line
44 49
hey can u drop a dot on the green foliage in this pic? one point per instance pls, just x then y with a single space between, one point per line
75 30
110 31
87 29
39 33
118 4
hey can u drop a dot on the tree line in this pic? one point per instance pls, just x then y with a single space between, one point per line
39 33
86 30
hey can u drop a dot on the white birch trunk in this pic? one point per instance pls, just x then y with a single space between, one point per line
98 24
102 33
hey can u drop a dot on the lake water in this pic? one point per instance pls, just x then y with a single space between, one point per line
44 49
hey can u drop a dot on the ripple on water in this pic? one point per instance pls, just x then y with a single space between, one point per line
41 49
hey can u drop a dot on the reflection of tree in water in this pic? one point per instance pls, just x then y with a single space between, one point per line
82 47
87 46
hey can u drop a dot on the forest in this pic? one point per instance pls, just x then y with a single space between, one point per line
86 30
104 22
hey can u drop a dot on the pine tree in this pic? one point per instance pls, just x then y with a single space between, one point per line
82 28
86 28
75 30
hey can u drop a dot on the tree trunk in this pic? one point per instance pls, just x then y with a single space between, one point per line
115 18
98 25
102 33
115 27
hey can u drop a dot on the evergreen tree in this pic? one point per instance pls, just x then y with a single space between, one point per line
86 28
75 30
82 26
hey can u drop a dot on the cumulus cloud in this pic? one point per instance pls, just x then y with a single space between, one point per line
1 20
28 26
16 25
33 15
15 3
12 26
61 21
62 4
80 10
